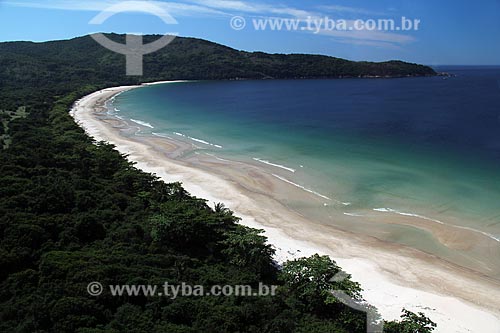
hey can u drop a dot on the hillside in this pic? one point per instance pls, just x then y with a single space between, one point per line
185 58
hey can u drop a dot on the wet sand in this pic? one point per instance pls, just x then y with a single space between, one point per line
392 276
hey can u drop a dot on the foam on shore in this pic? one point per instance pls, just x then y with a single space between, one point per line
142 123
274 164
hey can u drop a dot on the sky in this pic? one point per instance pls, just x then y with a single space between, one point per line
450 32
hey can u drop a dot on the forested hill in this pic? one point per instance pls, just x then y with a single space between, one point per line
73 211
184 58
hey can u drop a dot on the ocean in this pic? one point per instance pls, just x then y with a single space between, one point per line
372 151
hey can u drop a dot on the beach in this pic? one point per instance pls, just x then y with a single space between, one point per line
392 276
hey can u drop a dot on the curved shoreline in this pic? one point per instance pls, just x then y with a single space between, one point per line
392 276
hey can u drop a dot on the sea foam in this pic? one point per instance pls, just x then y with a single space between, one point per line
142 123
161 135
354 214
274 165
302 187
198 140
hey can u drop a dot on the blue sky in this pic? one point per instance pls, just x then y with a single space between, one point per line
450 32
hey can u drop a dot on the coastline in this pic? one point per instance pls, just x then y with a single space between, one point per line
392 276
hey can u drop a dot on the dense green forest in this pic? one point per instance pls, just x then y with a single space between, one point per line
75 211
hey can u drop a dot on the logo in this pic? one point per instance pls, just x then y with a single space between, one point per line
95 289
373 322
134 49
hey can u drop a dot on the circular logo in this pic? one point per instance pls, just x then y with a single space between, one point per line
238 23
94 288
134 49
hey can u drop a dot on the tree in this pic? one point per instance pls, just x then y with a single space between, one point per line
313 279
246 247
410 323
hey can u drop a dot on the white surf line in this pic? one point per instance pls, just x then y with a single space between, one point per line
217 157
161 135
390 210
311 191
303 188
198 140
113 98
274 165
354 214
142 123
166 82
205 142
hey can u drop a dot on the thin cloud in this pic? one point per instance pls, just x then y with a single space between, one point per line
368 35
175 8
350 10
362 36
377 44
61 5
253 7
379 39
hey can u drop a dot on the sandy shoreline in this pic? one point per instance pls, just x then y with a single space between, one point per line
392 276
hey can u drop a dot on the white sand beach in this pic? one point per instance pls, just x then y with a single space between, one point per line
392 276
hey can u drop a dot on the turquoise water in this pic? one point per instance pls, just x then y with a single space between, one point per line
426 147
